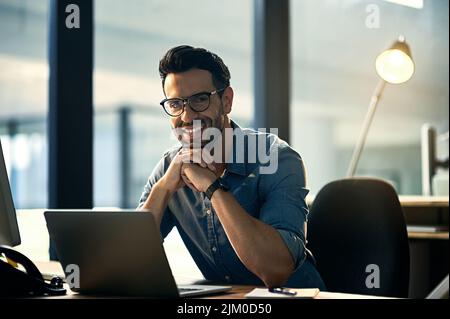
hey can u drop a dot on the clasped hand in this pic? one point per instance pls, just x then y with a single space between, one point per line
191 167
198 171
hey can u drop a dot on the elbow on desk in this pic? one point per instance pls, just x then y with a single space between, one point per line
275 277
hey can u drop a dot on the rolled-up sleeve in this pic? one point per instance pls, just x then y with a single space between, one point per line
284 206
167 220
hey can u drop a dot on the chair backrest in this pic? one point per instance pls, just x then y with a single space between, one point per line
356 228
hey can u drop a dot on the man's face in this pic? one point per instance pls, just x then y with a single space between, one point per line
186 84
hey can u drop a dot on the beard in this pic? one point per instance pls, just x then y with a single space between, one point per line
190 134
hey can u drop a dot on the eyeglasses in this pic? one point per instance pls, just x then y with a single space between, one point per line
198 103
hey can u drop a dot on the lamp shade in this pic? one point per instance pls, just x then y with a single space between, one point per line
396 65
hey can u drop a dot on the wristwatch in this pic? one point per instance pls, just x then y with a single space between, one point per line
215 186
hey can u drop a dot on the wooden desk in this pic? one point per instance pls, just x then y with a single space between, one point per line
421 210
428 250
410 200
442 235
423 201
237 292
429 257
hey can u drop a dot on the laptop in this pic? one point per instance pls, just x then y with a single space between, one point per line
118 253
440 291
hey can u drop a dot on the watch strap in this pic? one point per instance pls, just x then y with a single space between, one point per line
217 184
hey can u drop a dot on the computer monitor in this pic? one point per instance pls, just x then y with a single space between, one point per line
430 162
9 230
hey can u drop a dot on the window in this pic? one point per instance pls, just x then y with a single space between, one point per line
130 39
334 52
131 129
23 98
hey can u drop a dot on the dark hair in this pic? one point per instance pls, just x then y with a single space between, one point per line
184 57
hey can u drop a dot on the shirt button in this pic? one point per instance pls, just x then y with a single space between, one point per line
214 249
208 212
227 278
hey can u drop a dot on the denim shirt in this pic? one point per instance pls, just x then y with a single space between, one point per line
276 199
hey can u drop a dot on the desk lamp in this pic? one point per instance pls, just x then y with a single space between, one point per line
394 66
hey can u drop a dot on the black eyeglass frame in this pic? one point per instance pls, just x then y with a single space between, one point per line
187 101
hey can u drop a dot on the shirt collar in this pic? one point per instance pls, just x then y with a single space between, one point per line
238 168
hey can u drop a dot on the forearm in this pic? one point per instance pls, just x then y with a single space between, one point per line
258 245
157 202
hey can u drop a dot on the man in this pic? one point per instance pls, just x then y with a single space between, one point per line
241 226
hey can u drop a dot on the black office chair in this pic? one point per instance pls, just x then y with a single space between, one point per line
353 224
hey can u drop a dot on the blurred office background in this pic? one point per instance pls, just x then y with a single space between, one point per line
333 76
